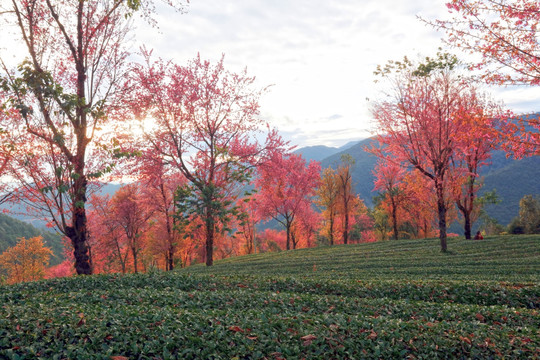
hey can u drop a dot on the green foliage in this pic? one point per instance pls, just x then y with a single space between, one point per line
441 62
515 227
528 221
380 300
210 202
490 226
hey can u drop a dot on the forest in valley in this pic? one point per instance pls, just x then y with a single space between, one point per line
204 177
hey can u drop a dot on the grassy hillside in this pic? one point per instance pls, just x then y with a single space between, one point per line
12 229
385 300
504 258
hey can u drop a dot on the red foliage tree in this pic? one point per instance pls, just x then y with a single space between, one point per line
475 143
64 92
132 214
420 124
108 243
247 222
286 186
206 127
388 179
271 240
159 184
505 34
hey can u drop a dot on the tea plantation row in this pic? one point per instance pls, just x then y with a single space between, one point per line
344 302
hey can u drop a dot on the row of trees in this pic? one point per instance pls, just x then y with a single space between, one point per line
114 249
67 120
154 222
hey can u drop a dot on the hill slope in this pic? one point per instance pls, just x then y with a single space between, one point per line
500 258
12 229
366 301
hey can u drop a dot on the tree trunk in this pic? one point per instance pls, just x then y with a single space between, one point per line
170 258
441 207
134 253
288 226
394 219
346 227
78 232
331 229
467 225
209 240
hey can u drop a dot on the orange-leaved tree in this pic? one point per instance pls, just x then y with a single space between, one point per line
345 194
388 179
327 200
26 261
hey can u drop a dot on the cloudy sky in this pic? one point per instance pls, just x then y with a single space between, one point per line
318 55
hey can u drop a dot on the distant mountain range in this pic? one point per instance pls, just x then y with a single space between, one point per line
512 179
320 152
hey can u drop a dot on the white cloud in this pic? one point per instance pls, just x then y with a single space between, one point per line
319 55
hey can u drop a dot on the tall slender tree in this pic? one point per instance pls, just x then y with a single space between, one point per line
388 179
327 200
346 194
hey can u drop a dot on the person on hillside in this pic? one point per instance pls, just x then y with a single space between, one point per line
478 236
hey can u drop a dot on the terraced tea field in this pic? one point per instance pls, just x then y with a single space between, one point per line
400 299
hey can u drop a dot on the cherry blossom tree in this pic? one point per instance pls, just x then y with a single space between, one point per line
132 214
64 92
474 145
206 127
420 124
505 35
286 186
159 183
